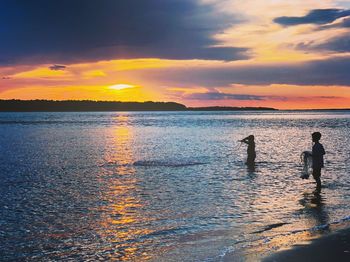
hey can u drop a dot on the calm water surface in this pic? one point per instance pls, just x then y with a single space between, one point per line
165 186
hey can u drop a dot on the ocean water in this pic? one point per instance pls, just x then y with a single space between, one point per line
166 186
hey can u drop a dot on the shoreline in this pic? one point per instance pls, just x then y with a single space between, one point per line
319 243
335 245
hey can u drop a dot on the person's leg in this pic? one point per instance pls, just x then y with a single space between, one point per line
316 173
318 182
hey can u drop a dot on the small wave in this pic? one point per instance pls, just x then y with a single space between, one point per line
252 243
227 252
221 255
270 227
322 227
167 232
326 226
344 219
168 163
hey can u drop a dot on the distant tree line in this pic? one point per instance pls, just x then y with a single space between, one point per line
87 105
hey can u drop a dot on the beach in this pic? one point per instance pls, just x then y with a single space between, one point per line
333 247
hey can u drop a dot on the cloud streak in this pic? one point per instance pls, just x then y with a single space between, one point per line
249 97
228 96
318 72
57 67
339 44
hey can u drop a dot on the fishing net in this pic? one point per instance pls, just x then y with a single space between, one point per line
306 160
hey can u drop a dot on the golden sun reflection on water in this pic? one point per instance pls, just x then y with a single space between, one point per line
122 221
120 149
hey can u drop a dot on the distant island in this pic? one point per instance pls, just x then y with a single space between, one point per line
91 106
228 108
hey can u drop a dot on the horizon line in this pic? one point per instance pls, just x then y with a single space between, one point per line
173 102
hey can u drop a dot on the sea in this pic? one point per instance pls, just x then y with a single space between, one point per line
167 186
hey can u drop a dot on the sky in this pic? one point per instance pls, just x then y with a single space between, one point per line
286 54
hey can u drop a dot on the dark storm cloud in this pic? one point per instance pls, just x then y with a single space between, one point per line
57 67
316 16
319 72
66 31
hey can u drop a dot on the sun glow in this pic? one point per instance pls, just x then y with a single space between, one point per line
121 86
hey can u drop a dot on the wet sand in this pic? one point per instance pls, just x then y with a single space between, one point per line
333 247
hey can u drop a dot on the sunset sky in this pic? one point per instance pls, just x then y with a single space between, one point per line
279 53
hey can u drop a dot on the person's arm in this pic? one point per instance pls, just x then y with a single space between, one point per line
244 140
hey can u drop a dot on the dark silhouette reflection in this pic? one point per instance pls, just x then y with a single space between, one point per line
251 171
315 208
251 155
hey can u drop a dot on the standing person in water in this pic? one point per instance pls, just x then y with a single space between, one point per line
249 140
317 159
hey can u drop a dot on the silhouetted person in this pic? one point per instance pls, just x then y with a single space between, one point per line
317 159
249 140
